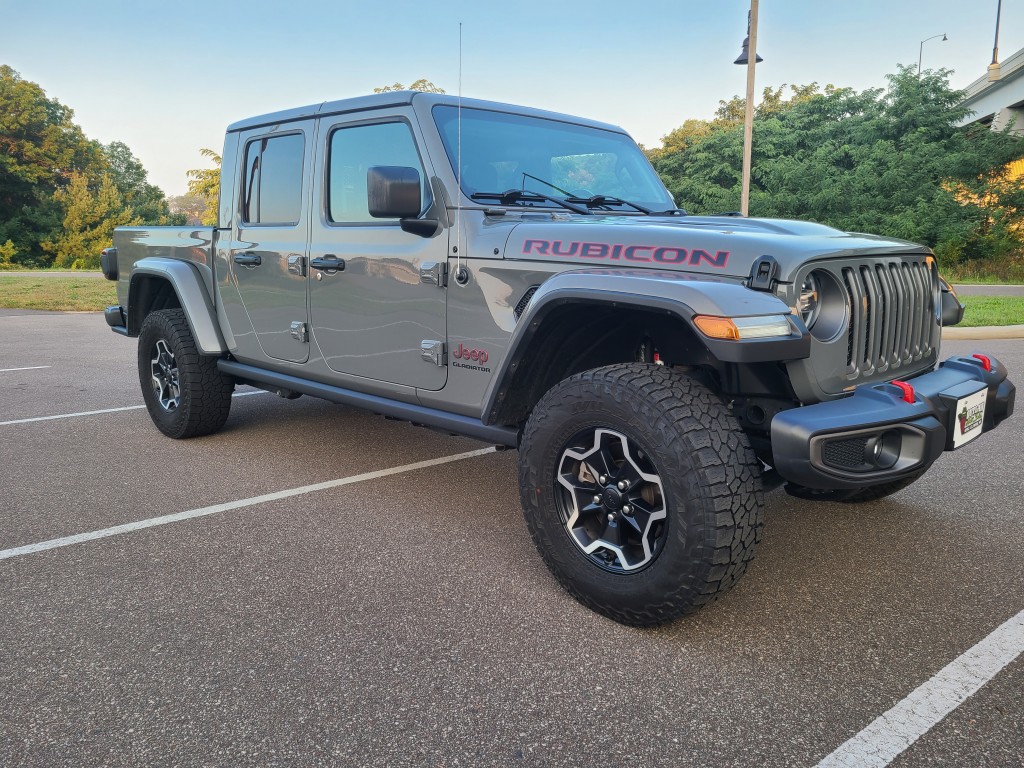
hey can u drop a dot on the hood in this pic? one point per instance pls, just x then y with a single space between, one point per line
726 246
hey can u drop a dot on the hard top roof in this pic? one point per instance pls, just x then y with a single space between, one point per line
400 98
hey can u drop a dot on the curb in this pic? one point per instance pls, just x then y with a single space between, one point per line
985 332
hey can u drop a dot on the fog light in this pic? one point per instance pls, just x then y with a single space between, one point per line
883 451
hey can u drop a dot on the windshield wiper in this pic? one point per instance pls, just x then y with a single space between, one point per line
513 196
555 187
596 201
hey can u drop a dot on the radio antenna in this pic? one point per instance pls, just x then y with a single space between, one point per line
459 275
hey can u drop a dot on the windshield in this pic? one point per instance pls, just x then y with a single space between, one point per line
503 152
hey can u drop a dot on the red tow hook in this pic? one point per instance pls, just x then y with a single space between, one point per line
906 389
986 361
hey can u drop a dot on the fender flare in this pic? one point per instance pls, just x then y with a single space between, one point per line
683 296
196 302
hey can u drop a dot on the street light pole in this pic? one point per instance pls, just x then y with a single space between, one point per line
748 114
993 68
920 50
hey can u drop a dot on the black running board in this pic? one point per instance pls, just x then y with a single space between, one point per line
417 414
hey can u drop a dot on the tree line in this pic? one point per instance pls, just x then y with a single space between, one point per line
61 193
890 161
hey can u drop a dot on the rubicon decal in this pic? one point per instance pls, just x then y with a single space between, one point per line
619 252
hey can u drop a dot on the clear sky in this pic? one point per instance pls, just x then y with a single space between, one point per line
167 77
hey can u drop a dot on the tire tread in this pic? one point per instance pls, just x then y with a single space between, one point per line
687 419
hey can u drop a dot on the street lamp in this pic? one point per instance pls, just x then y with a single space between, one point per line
920 50
749 57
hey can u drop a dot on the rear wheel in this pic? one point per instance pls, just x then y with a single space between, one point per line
640 491
185 394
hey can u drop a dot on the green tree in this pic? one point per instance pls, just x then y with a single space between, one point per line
422 85
129 176
204 183
731 113
90 215
40 149
7 253
891 161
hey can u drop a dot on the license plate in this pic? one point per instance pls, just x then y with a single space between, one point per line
968 417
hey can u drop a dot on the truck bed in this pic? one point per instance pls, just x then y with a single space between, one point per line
194 244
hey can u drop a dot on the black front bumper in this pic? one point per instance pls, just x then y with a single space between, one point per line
116 320
875 436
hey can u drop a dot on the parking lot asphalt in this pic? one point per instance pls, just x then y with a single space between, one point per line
407 620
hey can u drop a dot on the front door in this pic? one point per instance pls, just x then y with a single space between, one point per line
373 312
268 255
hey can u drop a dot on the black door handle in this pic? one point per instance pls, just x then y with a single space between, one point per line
329 263
248 259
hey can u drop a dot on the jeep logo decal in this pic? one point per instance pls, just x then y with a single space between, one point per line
616 252
465 353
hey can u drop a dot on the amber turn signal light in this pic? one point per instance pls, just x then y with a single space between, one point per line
738 328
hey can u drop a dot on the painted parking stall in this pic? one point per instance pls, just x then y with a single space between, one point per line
316 585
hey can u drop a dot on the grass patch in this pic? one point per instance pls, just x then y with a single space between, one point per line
78 294
66 294
992 310
1001 271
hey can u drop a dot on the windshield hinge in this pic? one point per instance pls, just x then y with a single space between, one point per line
763 274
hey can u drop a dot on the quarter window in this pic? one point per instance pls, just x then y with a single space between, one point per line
272 186
353 151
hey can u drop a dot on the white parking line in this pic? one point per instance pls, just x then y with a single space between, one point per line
26 368
889 734
104 410
138 525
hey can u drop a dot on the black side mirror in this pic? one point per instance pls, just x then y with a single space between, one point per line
394 192
952 310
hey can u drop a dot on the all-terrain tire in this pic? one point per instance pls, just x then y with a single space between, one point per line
860 496
676 430
185 394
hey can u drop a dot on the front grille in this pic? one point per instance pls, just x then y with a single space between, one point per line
892 319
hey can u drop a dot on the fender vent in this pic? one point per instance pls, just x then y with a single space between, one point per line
521 306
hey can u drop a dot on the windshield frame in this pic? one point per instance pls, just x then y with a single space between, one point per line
629 157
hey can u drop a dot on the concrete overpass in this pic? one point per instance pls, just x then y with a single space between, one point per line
998 97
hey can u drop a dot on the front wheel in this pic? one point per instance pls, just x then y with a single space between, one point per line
640 491
186 395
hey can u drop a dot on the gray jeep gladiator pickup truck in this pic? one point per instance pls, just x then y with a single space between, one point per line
525 278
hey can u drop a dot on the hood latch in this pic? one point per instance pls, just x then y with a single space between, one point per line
763 274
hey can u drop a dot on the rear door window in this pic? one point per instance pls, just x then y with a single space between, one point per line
272 186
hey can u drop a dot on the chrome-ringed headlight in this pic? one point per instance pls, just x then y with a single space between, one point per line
823 304
808 302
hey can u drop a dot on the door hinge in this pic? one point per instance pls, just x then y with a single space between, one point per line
434 352
297 265
300 331
434 272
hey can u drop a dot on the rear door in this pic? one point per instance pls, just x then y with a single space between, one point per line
380 316
269 252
